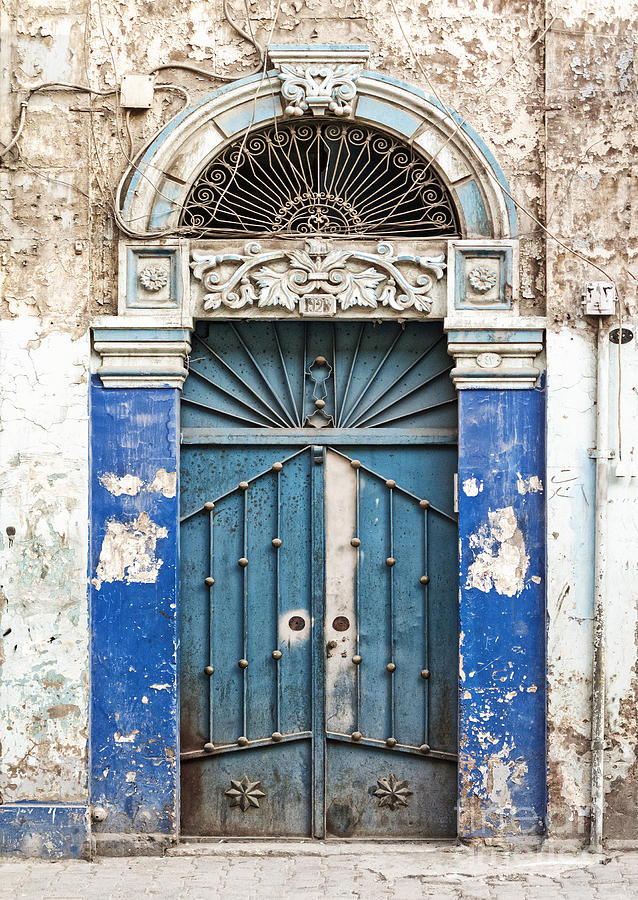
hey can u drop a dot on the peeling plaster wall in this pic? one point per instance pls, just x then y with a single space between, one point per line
622 686
573 165
502 668
570 550
43 613
591 200
571 486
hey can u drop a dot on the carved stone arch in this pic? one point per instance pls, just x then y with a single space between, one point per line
154 189
169 270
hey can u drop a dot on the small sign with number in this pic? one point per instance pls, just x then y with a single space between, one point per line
318 305
600 298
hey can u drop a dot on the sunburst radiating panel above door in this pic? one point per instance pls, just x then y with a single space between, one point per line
318 375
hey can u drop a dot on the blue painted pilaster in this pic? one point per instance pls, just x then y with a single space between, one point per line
134 580
502 613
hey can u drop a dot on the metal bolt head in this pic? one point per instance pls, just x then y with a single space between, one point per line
276 736
277 466
355 463
391 742
209 505
243 663
98 813
356 660
390 483
424 579
208 747
320 404
276 654
242 741
320 360
209 669
390 561
276 542
391 667
243 562
356 735
210 581
425 673
355 542
424 748
424 504
243 485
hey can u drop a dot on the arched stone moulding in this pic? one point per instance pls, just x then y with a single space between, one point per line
155 188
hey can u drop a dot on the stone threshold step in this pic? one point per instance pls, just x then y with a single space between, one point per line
306 847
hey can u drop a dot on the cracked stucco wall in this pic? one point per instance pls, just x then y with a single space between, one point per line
573 164
570 496
43 611
591 200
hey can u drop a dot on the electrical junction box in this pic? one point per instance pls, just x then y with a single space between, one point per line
136 91
600 298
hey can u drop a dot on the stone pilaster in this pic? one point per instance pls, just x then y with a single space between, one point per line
502 771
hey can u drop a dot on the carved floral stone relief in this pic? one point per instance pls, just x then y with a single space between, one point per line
319 88
318 79
318 280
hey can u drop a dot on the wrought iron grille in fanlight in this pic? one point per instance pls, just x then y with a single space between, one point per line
327 177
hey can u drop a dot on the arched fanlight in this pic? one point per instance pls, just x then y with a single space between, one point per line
319 177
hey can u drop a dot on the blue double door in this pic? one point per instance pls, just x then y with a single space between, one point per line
319 638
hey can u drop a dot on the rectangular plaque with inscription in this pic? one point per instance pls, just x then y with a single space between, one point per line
318 305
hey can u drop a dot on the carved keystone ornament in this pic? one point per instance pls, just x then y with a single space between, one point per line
315 280
317 80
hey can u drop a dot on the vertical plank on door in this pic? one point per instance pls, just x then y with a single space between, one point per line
318 457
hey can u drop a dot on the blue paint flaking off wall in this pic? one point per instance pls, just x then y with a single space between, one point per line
134 715
502 613
44 830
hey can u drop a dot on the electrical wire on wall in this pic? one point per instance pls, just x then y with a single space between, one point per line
124 226
86 88
457 123
550 234
248 34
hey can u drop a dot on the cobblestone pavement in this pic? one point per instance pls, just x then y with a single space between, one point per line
250 871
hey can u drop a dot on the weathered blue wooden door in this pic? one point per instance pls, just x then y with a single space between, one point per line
319 582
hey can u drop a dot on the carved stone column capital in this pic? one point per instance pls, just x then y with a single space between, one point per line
321 79
147 355
502 358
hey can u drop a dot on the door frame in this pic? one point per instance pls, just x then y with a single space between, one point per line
140 363
135 432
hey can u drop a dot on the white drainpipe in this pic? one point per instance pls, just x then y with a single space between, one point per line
601 455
